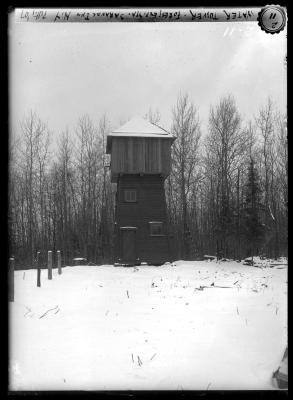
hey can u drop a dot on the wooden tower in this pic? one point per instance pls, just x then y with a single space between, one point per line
140 162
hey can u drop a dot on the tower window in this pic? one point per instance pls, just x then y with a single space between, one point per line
156 228
130 195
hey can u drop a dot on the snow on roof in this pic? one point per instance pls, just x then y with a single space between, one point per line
139 127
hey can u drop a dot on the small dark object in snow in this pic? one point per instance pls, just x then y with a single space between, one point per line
248 261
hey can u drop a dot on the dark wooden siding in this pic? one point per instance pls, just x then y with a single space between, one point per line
140 155
150 206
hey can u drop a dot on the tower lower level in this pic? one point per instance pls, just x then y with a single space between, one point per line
141 233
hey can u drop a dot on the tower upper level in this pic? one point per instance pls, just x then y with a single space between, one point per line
139 147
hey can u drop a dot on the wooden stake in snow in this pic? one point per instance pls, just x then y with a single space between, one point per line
59 262
49 264
11 279
38 269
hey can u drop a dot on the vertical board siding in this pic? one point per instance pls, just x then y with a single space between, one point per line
130 156
140 155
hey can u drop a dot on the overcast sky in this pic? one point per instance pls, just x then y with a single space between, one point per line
65 70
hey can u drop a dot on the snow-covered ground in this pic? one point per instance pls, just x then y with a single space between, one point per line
168 327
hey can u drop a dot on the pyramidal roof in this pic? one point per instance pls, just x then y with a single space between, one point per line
138 126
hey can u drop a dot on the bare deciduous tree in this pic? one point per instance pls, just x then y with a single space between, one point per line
185 158
225 146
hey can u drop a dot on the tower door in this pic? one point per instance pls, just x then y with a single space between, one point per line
128 248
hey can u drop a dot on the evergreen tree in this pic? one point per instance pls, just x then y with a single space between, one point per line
253 226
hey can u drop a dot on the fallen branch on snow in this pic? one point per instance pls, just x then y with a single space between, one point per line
139 361
28 310
213 286
51 309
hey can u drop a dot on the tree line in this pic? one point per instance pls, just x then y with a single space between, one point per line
227 193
